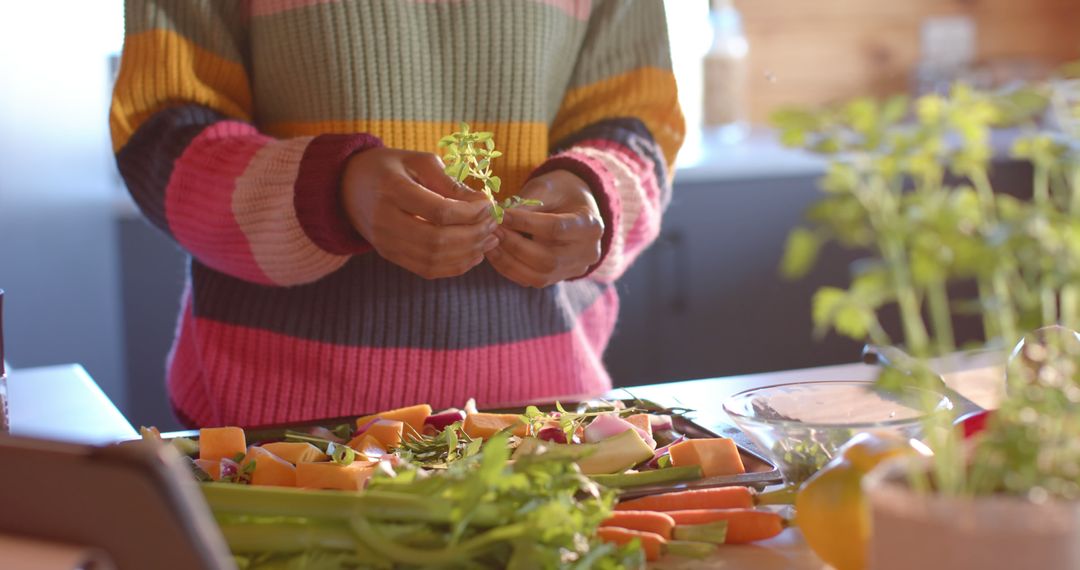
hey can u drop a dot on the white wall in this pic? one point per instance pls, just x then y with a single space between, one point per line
58 186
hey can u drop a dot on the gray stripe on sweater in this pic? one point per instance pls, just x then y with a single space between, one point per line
372 303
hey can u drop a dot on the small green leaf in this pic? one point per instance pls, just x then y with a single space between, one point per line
853 321
827 300
497 212
494 154
490 143
800 253
495 183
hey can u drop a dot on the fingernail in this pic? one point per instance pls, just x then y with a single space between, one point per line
506 217
490 243
500 233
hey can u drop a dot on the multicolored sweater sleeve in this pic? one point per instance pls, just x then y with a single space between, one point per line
261 209
619 126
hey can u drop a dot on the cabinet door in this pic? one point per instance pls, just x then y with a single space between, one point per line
707 299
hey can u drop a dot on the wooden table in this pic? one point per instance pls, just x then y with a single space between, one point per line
63 402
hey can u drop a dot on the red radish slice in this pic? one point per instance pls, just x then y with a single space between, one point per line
974 422
444 418
554 434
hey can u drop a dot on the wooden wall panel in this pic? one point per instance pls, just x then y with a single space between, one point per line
820 51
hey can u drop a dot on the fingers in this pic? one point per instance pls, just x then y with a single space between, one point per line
515 270
434 251
563 228
441 211
535 264
427 170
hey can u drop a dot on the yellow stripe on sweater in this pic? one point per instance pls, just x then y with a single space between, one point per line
161 68
524 145
646 93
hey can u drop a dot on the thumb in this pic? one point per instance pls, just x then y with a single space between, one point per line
428 172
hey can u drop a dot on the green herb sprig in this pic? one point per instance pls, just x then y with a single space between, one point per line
468 154
438 450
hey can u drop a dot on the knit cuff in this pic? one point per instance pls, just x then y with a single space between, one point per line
603 190
318 192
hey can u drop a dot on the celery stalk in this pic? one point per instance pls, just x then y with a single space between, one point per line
714 532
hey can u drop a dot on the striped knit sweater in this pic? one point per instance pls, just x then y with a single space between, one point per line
232 122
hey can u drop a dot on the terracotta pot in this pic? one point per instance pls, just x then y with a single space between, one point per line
924 532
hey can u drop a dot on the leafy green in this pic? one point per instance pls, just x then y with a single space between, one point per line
468 154
438 450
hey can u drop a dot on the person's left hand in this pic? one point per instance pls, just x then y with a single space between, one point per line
542 245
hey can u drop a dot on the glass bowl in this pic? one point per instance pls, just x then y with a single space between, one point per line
801 426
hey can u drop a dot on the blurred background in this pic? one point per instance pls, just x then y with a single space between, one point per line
89 281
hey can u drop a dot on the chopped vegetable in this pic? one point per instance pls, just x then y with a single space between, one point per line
415 416
608 425
330 475
484 426
387 432
716 456
268 469
295 451
445 418
220 442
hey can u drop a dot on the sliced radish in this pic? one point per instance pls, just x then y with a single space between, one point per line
444 418
608 425
552 433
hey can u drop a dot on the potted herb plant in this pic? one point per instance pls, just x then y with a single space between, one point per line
909 182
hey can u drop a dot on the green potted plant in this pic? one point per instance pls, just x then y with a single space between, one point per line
908 182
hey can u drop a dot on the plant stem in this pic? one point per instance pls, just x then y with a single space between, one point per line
915 333
280 537
1074 192
991 328
1070 306
1041 191
937 298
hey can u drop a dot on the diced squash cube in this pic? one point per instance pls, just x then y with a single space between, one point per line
483 426
412 415
221 442
716 456
387 432
366 444
329 475
296 451
640 421
212 468
269 469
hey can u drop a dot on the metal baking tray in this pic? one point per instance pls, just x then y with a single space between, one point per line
760 472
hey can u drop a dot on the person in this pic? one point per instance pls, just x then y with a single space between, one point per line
289 146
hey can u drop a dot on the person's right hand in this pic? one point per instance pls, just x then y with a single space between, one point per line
416 216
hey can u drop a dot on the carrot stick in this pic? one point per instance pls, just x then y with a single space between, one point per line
714 498
651 543
647 521
744 525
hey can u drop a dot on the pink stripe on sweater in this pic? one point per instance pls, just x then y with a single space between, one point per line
222 374
198 200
